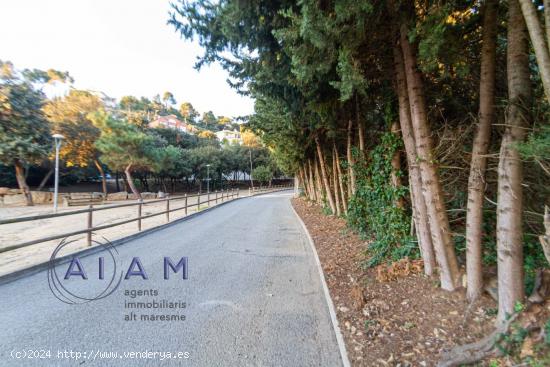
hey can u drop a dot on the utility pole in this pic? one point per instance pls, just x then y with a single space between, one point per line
57 140
208 178
251 180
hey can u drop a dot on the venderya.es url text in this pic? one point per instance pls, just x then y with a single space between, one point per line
96 354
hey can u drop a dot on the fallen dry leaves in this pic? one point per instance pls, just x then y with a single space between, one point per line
392 315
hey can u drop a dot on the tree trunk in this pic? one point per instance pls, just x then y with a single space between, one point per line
22 182
335 182
478 164
103 178
431 187
340 181
310 188
420 214
312 182
360 126
128 173
320 193
325 176
536 34
396 167
351 169
125 183
510 177
45 180
547 22
307 183
545 238
304 182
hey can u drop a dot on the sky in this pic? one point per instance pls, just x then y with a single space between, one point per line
119 47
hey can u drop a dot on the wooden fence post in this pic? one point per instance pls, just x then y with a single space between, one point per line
185 204
90 225
139 214
168 209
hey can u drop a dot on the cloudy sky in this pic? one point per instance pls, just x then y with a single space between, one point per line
120 47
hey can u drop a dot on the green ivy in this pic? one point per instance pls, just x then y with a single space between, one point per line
372 210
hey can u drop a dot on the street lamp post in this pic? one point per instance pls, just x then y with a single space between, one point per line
251 180
208 178
57 139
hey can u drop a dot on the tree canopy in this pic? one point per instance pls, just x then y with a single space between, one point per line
391 110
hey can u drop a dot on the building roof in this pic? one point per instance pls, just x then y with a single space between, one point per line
229 135
172 122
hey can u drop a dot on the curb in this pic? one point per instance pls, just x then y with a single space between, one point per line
330 304
36 268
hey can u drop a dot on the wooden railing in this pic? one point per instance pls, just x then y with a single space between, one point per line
215 196
258 190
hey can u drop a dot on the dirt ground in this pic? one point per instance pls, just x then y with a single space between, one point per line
390 316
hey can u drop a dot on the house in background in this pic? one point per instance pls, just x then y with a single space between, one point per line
229 136
172 122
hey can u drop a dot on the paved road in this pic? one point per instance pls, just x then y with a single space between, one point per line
254 298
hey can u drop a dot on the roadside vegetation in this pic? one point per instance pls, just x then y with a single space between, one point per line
108 138
423 124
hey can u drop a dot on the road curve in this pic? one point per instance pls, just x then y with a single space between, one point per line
253 298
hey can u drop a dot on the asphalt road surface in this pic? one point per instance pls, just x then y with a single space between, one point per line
253 297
